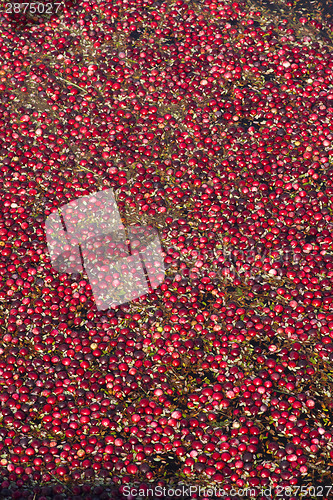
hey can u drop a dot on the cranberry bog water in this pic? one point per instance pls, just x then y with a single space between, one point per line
211 123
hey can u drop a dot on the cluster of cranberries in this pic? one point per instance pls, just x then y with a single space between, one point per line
212 122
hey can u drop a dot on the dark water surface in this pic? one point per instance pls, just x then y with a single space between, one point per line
320 11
